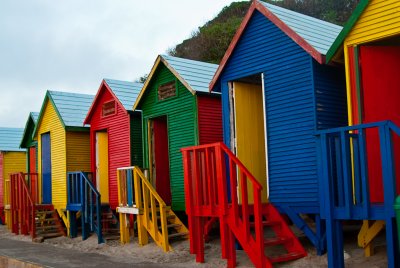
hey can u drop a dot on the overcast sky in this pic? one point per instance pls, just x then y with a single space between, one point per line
73 45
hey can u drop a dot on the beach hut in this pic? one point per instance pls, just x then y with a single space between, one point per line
63 146
12 160
177 111
115 135
369 48
277 92
29 144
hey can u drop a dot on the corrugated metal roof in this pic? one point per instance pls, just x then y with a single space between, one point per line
126 92
196 73
34 116
72 107
10 139
318 33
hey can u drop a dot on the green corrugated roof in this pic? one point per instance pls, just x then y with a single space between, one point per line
10 139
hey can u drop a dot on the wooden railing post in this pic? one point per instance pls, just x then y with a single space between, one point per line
142 233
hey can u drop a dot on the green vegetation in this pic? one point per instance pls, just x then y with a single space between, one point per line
210 41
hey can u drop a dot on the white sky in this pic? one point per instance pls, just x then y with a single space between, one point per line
72 45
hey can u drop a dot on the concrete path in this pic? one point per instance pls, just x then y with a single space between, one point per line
49 256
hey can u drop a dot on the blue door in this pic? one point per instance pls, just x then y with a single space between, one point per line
46 169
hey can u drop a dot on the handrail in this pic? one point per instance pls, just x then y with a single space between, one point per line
136 190
83 194
22 206
208 194
344 168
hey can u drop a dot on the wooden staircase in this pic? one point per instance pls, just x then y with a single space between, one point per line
137 196
212 176
110 224
83 200
47 222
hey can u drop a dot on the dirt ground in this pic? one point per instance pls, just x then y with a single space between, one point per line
134 254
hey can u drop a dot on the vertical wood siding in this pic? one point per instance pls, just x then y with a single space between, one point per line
32 166
78 151
380 19
290 109
50 122
136 139
118 129
210 119
13 162
182 127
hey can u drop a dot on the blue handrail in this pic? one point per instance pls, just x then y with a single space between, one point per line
343 169
83 196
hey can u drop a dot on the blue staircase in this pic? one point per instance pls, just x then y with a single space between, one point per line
83 197
345 188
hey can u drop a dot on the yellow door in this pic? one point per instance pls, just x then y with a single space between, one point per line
102 165
250 135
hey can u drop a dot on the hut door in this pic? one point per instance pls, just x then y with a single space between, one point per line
102 165
160 158
249 131
380 67
46 168
32 159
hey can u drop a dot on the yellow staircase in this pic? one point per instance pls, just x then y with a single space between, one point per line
137 196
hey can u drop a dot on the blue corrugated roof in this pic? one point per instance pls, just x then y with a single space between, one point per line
126 92
10 139
72 107
318 33
196 73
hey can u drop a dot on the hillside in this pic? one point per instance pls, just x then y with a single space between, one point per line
210 41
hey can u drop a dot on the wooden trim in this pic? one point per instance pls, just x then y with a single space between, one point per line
256 5
103 86
337 44
159 59
232 45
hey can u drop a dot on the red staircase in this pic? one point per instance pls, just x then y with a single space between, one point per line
28 217
212 176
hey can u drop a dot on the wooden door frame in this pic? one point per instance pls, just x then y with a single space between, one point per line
232 119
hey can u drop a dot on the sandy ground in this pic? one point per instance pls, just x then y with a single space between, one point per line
134 254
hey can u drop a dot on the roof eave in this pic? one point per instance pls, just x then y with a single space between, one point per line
337 44
256 5
159 60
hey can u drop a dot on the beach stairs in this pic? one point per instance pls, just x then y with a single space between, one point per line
346 185
48 224
110 223
212 176
27 216
84 201
137 197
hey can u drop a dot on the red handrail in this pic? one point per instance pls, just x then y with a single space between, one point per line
22 206
207 171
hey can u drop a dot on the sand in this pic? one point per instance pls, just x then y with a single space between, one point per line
180 257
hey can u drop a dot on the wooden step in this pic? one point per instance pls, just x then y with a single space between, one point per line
46 219
176 235
286 257
276 241
46 227
267 223
172 225
50 235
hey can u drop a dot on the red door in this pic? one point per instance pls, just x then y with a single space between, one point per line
32 159
380 72
161 172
